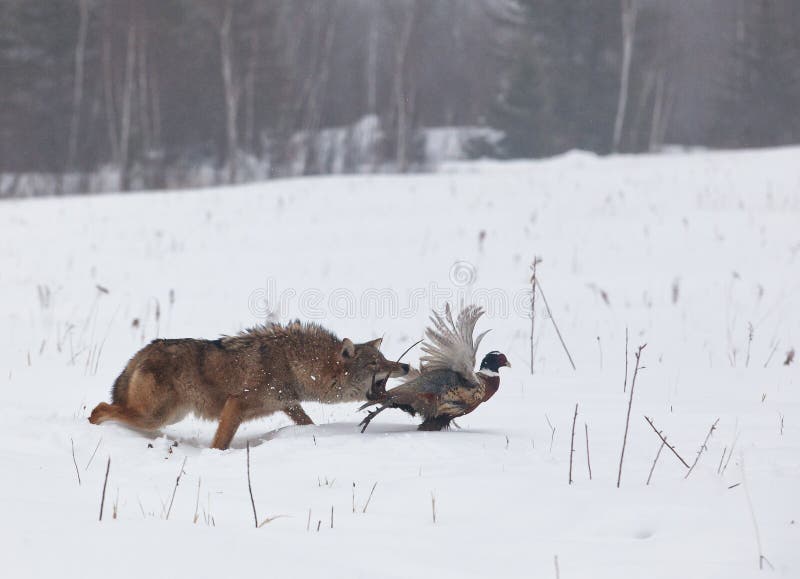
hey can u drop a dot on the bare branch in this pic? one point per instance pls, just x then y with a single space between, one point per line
369 498
175 490
703 447
628 416
555 325
536 261
664 440
652 468
572 442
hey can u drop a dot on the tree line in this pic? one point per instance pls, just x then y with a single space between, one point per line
160 93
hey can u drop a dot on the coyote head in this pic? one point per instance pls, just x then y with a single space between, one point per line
364 363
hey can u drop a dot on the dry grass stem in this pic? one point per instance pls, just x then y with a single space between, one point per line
75 462
369 498
555 325
625 382
91 458
197 503
250 487
721 459
761 558
105 484
588 455
771 353
552 431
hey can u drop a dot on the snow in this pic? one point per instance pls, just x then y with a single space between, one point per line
690 251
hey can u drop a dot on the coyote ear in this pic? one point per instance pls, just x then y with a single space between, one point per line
375 343
348 348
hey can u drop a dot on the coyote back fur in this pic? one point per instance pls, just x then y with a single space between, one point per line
237 378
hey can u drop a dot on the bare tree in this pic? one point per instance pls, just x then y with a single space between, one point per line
77 90
108 83
662 112
149 103
628 14
231 90
127 101
250 92
372 66
403 91
316 84
143 100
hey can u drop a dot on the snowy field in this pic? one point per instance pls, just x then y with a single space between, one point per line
697 255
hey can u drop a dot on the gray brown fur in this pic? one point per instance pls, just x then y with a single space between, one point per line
233 379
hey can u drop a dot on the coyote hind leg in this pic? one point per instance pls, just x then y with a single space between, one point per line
119 413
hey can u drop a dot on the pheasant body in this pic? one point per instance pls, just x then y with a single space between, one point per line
446 386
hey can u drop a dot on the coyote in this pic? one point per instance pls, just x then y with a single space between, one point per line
232 379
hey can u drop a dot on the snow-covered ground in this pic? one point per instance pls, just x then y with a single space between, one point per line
697 255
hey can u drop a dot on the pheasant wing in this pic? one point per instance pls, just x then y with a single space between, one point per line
451 345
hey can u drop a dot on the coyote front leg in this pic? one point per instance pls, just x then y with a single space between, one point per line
298 415
229 420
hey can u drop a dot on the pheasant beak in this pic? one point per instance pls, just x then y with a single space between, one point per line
507 364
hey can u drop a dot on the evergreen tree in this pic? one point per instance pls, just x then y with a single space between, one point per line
564 78
35 58
762 85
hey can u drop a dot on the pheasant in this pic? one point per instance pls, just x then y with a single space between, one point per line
446 385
